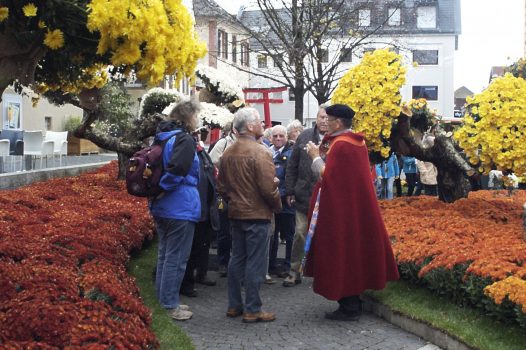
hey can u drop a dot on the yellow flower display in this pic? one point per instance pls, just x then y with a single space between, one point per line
30 10
158 36
4 13
54 39
372 90
495 126
514 288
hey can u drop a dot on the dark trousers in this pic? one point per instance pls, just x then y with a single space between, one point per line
197 264
351 305
411 183
224 239
285 225
430 190
398 185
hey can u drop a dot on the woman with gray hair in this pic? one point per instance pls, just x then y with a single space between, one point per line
178 208
293 130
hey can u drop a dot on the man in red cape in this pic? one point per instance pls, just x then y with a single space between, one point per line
350 249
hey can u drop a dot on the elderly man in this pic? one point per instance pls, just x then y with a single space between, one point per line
299 181
350 249
247 182
284 220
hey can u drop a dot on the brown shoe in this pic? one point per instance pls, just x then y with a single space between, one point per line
233 312
258 317
292 279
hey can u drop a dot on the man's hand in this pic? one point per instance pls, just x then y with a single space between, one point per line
291 200
312 150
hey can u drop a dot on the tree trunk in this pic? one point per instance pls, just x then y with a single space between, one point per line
298 102
123 161
452 168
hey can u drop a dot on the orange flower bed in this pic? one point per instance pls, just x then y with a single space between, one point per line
483 234
64 246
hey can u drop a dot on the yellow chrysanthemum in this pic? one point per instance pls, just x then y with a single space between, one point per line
30 10
4 13
372 89
54 39
495 126
41 24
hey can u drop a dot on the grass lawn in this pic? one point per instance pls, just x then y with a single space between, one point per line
170 336
465 323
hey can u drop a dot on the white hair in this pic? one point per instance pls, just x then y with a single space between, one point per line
242 117
294 125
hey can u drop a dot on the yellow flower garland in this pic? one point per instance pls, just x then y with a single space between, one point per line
372 90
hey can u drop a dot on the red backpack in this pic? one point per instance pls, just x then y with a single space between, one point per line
145 169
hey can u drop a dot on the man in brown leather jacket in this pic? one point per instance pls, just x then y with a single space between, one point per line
247 182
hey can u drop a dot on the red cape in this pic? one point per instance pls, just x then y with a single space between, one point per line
350 251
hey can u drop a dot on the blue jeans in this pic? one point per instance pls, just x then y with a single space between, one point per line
175 244
248 263
285 225
224 241
386 188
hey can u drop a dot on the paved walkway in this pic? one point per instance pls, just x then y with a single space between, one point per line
299 325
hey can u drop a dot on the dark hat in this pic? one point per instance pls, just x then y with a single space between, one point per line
340 111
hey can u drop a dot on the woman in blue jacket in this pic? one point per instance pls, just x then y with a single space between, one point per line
386 172
178 208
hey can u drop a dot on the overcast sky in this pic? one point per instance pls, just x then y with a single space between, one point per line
492 35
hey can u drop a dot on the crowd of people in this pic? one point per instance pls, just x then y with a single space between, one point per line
253 189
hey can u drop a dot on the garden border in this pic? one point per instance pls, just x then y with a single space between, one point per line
11 181
417 327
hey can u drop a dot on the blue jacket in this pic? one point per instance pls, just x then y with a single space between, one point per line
388 168
180 179
409 165
280 161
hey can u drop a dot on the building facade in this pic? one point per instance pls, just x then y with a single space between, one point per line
422 31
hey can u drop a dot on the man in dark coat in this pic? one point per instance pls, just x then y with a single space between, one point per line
350 250
299 181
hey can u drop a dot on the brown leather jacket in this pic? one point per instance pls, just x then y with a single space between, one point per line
246 181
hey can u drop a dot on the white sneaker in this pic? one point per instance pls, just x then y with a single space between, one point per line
180 314
184 307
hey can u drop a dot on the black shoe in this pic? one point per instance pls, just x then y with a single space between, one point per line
340 315
205 281
192 293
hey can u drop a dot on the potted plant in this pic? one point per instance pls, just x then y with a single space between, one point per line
78 146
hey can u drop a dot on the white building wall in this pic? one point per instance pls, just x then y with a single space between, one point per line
34 118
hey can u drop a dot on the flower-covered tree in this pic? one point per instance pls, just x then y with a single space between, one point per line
495 126
68 50
372 89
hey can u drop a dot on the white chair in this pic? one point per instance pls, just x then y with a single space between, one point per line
4 154
35 146
60 138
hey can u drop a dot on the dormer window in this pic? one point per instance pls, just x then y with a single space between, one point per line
364 17
426 17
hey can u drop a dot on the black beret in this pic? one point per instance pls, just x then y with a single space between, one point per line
340 111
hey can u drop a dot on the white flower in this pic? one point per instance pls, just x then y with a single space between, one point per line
217 81
214 116
160 91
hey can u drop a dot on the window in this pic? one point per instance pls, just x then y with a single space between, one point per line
426 17
364 17
262 61
394 17
222 44
244 54
47 123
234 49
323 55
430 93
346 55
292 96
425 57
